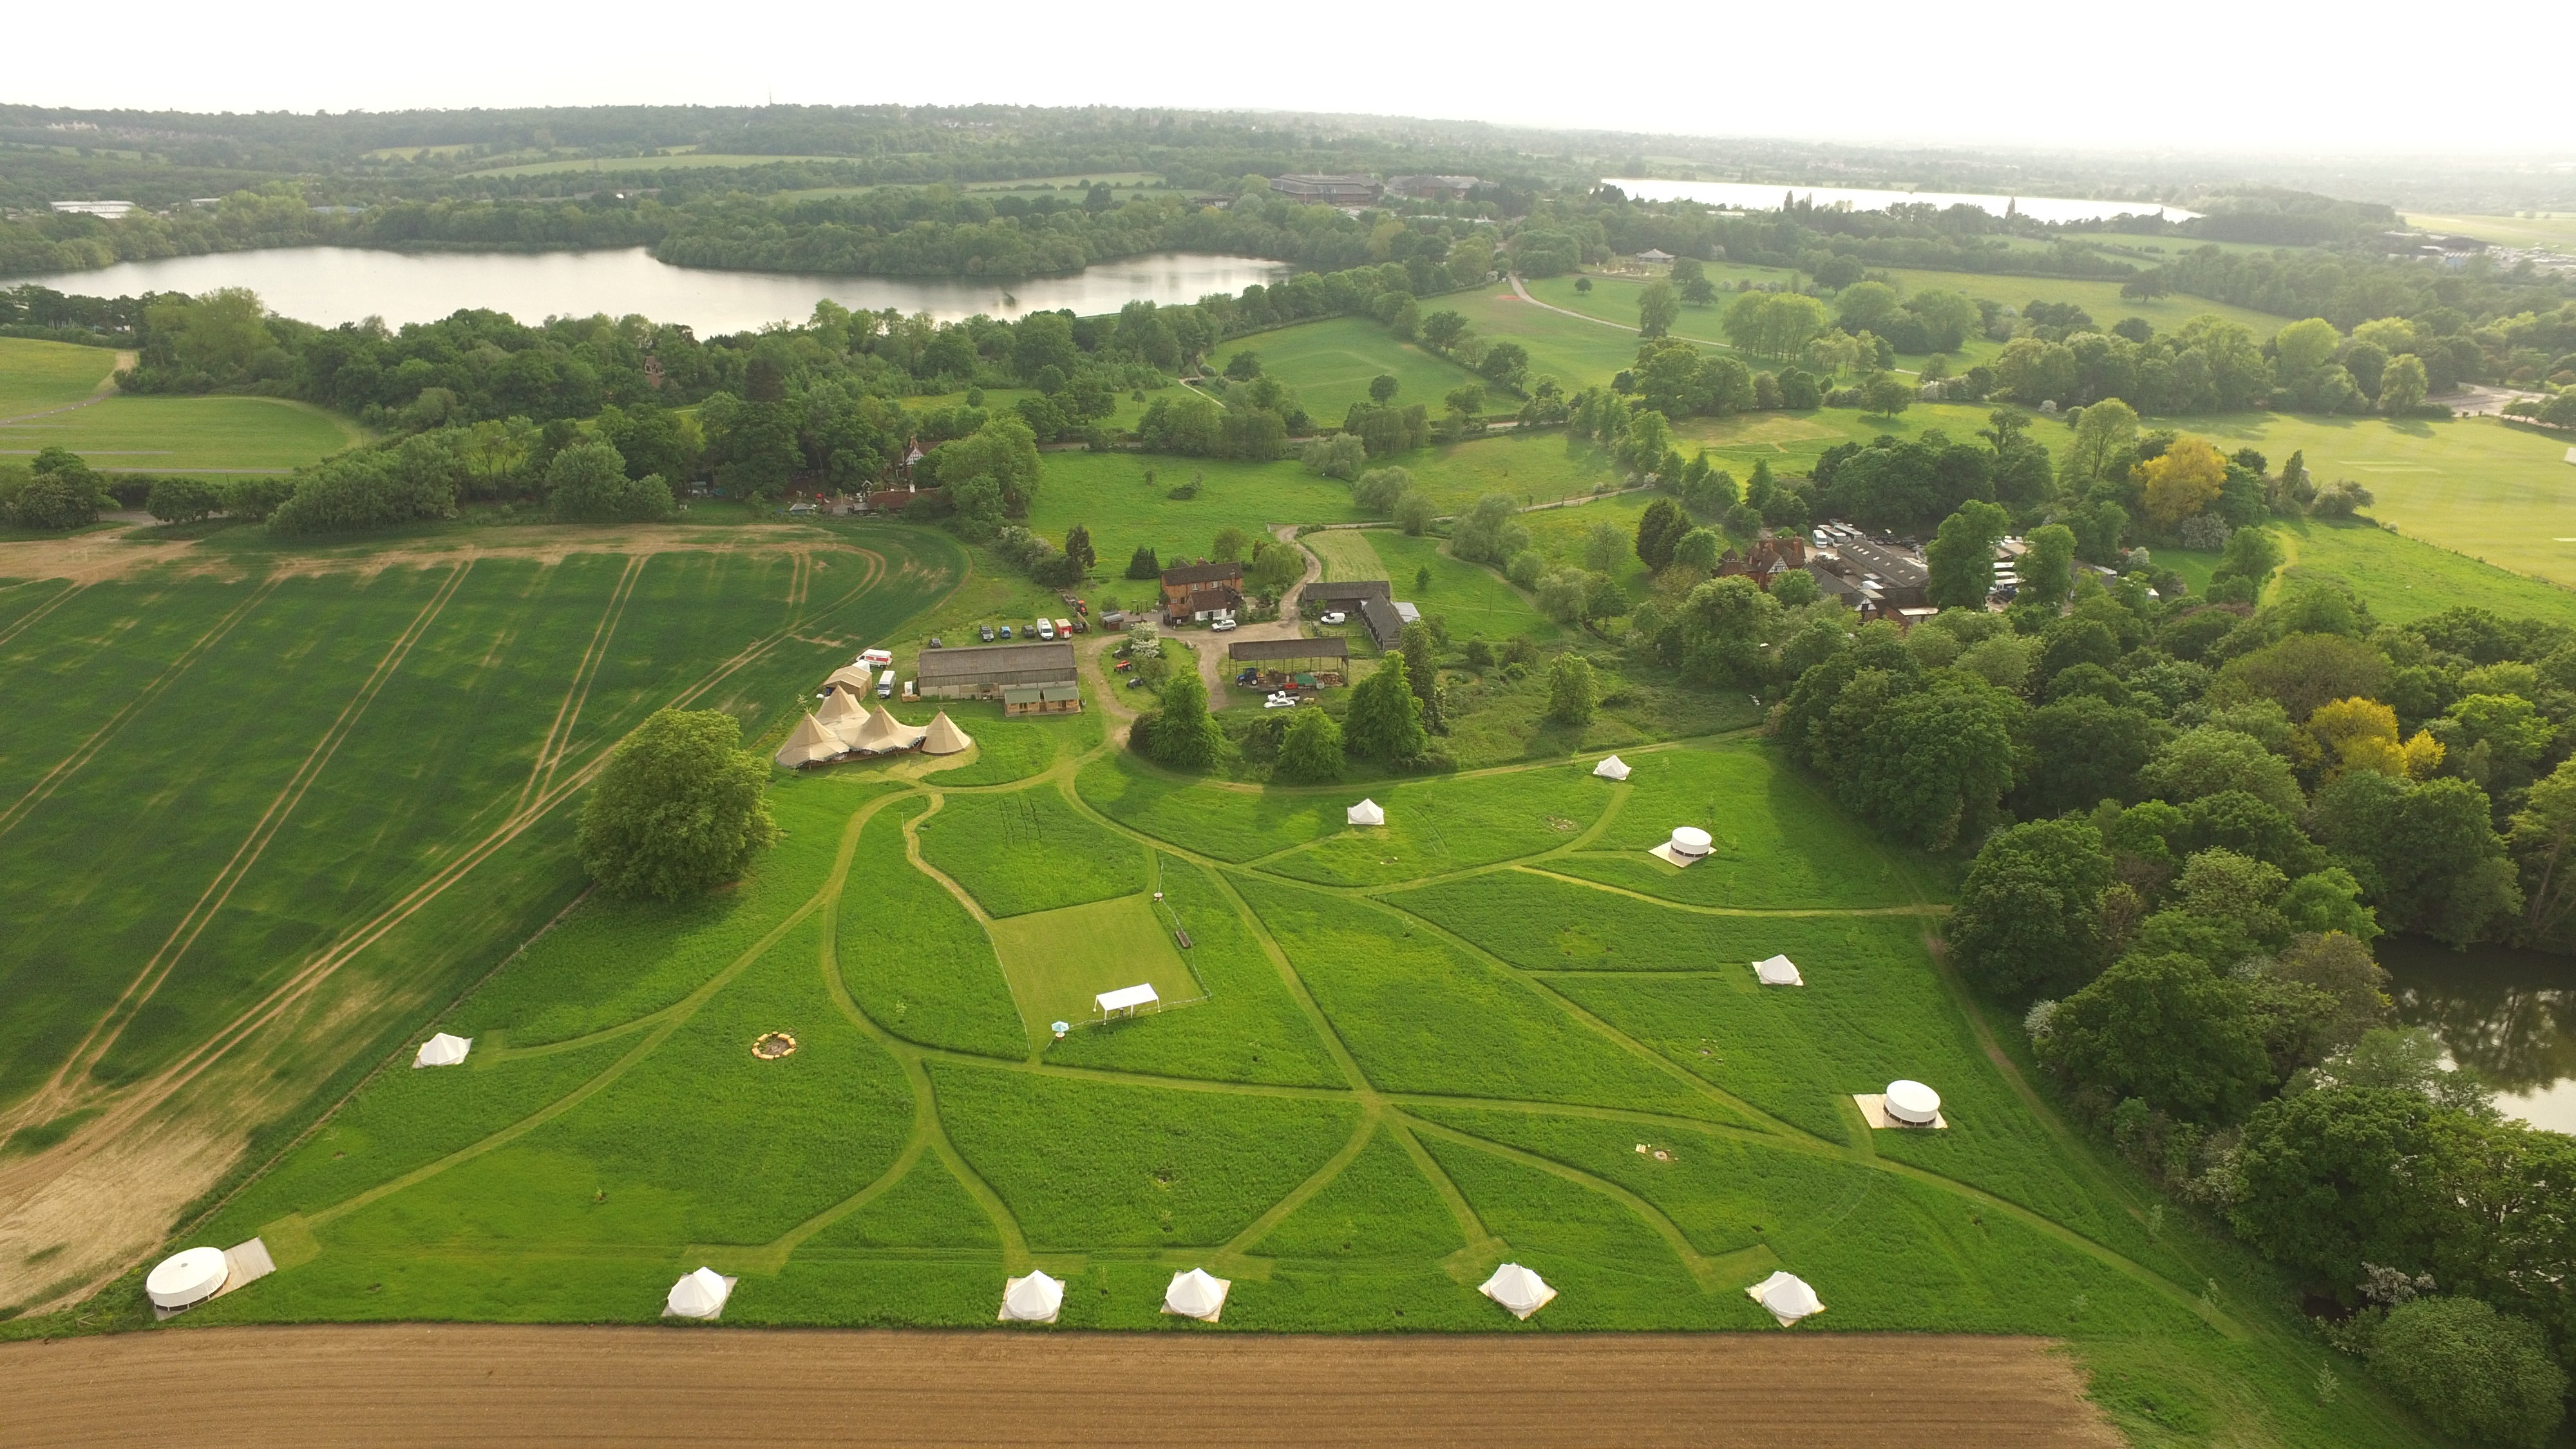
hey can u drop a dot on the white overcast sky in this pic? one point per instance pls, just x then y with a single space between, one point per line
2188 75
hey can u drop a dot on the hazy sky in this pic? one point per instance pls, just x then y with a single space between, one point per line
2251 75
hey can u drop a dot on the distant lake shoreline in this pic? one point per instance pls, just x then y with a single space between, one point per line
329 285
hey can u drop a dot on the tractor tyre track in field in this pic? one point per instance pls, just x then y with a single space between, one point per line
128 1107
559 734
39 612
103 1036
88 749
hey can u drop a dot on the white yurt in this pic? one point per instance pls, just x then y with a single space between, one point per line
187 1278
1691 840
1778 971
701 1294
1036 1298
1367 812
944 737
1786 1297
443 1050
1518 1289
1612 768
1195 1294
1913 1103
811 743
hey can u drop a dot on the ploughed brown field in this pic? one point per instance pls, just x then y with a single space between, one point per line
283 1388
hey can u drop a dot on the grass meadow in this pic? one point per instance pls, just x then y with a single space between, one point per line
218 434
1331 364
36 375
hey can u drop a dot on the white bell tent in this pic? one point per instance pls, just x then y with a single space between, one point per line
1036 1298
1913 1103
187 1278
1778 971
1612 768
1195 1294
1367 812
1518 1289
443 1050
701 1294
1786 1297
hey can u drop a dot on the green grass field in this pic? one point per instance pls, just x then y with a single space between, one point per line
686 160
1331 363
188 434
2555 230
38 375
1059 960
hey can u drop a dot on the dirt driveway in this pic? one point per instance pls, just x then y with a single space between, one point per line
490 1386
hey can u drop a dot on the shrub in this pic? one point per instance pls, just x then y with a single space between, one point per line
1311 751
183 500
2473 1372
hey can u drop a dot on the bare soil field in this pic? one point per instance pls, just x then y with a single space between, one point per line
282 1388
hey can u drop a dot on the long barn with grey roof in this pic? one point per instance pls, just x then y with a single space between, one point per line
984 671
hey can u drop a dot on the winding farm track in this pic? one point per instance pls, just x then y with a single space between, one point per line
287 1388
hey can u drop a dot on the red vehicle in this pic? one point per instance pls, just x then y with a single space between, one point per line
1126 664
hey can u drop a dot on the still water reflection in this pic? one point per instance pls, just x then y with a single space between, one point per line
331 285
2510 1015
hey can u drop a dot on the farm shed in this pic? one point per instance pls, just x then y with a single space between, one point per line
1385 624
984 671
1052 699
1275 657
1345 593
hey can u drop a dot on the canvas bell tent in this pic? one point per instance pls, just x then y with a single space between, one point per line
1518 1289
443 1050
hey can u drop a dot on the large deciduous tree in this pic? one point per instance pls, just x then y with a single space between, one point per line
2029 916
679 808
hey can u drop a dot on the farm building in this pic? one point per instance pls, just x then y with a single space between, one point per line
1384 622
1346 594
1047 699
1203 591
983 672
1294 656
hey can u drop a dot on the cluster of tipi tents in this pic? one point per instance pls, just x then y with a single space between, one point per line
844 729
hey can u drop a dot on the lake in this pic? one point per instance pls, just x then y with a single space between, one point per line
1765 196
331 285
2510 1015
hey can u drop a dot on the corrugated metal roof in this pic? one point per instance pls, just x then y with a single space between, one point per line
997 664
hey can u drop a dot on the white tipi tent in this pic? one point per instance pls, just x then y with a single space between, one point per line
811 744
1518 1289
1778 971
1195 1294
443 1050
1033 1299
1786 1297
1367 812
1612 768
944 737
701 1294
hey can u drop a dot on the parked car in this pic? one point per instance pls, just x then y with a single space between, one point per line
1222 625
938 643
1042 629
1006 631
1336 616
1280 701
988 633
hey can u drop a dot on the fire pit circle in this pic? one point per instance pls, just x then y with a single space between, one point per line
773 1045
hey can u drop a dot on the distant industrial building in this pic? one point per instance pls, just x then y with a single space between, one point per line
1432 188
1329 190
103 210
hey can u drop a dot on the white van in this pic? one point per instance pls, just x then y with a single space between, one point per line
885 685
1045 629
876 658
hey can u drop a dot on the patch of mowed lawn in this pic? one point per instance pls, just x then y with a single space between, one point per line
407 1118
1610 1269
1085 1165
1249 1029
1575 352
1059 960
1379 1206
184 434
1542 923
1776 843
1223 822
2403 579
1443 825
1029 851
1471 599
913 958
1007 749
1331 364
1533 466
1422 1016
35 374
1346 554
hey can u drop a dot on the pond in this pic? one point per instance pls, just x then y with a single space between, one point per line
2510 1015
1765 196
331 285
